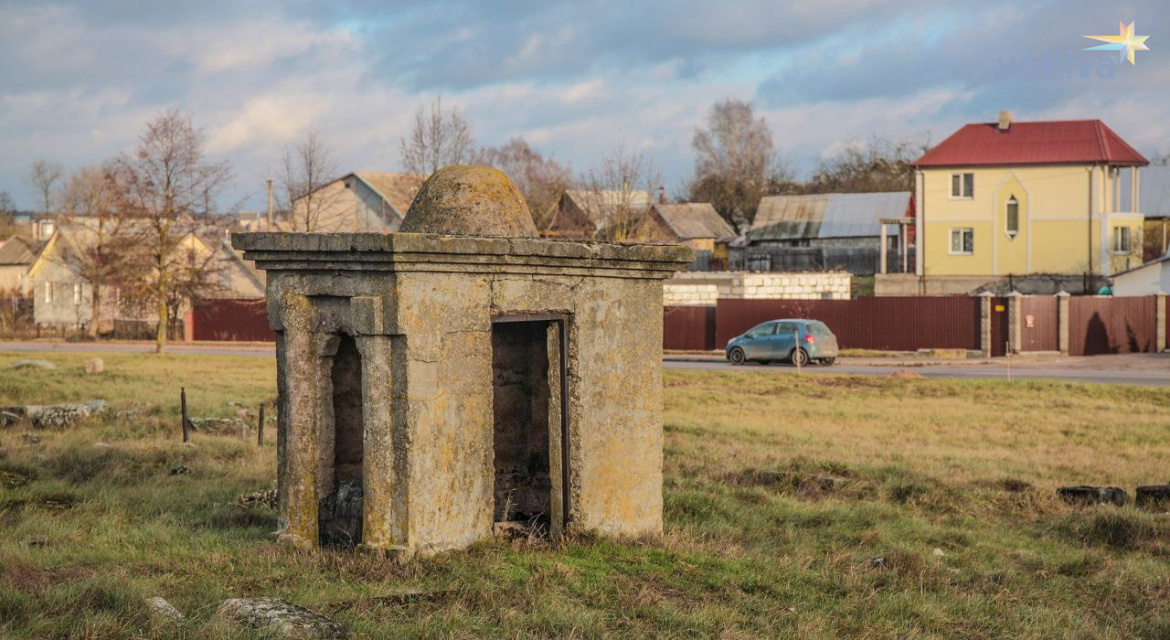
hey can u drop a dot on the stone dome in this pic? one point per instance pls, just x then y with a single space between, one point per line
470 200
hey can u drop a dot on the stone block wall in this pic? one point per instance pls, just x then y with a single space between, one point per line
689 295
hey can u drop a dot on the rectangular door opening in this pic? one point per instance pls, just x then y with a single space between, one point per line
340 512
523 415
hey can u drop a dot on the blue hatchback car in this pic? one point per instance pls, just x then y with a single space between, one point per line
795 341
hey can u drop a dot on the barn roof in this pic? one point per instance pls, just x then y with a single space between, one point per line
694 220
19 251
398 189
827 215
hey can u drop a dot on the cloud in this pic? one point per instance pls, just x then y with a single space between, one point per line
575 78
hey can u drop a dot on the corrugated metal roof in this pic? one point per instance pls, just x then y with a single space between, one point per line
1057 142
1153 192
19 251
828 215
695 220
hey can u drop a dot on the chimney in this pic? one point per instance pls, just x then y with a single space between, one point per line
661 195
1005 120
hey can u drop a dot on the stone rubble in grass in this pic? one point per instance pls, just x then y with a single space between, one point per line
162 610
1086 495
52 416
95 365
1153 496
281 617
32 364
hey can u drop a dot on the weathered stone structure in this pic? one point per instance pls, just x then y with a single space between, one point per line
463 373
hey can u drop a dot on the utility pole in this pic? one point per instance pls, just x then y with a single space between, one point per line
269 205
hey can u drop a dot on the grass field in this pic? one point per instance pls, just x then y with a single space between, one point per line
817 506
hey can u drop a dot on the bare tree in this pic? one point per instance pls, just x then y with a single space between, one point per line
99 249
736 163
7 215
44 176
165 183
1160 159
541 179
306 167
877 165
440 137
618 194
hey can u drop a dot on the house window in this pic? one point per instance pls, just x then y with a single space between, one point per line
1121 240
48 293
1013 217
963 185
963 241
76 293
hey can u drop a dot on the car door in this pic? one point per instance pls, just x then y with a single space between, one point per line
785 340
759 343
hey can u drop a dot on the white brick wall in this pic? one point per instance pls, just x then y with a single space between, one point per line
703 289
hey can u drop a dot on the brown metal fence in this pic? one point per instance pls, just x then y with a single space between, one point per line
232 320
1100 325
688 328
890 324
1039 326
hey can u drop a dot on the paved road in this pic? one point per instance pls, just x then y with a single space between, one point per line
981 371
960 372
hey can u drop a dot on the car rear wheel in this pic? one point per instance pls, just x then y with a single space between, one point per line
736 356
800 358
827 362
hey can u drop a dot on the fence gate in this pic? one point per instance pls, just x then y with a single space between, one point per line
1040 330
999 327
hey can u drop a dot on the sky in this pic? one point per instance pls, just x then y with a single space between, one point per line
575 78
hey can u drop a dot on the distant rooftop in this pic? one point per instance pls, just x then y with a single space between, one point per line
827 215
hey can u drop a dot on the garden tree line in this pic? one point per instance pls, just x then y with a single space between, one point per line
139 208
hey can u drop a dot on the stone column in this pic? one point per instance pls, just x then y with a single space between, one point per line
1160 318
299 364
1015 322
1062 340
985 322
882 263
378 483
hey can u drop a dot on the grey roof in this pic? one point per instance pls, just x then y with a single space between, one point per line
1153 191
19 251
694 220
828 215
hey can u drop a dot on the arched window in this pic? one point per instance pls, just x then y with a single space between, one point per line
1013 217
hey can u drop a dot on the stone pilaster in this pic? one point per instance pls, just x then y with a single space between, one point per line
1062 340
299 416
1160 318
1015 322
382 526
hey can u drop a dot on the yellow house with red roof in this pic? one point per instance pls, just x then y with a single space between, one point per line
1027 198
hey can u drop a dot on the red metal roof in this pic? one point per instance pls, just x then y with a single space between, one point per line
1057 142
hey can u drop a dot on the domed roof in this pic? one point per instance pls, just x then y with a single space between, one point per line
470 200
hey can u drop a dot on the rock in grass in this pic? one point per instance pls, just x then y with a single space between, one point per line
1085 495
32 364
287 620
95 365
1155 496
163 611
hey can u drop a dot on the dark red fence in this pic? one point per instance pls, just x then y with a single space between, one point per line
1039 323
889 324
1100 325
688 328
232 320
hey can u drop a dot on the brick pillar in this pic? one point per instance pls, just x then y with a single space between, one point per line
1015 322
1062 339
985 323
1160 318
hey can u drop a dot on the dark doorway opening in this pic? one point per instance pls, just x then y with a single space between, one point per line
521 412
340 512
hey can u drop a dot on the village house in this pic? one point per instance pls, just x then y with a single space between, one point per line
355 202
694 224
62 298
1155 206
584 214
818 232
16 256
1025 202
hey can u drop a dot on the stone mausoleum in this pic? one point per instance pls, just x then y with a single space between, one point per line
463 375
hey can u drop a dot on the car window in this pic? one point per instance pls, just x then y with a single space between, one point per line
765 329
787 328
819 329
